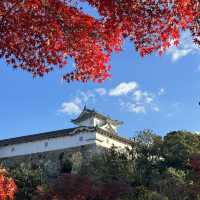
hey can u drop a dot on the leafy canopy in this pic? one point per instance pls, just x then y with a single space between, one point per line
39 35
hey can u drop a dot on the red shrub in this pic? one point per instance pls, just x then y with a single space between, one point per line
75 187
7 186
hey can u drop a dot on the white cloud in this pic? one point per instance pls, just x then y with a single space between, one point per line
123 88
137 95
70 108
77 100
143 97
149 99
74 106
86 96
186 47
101 91
156 109
140 102
161 92
179 53
127 95
137 108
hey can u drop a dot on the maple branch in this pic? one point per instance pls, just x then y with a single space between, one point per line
9 11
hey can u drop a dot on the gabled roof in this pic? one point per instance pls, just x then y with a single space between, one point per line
108 127
88 113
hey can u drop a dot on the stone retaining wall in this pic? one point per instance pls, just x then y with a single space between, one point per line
51 160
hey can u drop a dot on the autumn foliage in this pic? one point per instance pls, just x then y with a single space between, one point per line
76 187
39 35
7 186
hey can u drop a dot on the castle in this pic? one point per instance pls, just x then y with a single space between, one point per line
93 131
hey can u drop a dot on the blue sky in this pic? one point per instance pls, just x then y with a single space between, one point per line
158 93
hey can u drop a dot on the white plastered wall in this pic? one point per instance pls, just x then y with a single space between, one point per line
87 122
109 142
98 122
51 144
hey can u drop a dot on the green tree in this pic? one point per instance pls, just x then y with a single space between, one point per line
178 146
27 179
112 165
143 193
149 162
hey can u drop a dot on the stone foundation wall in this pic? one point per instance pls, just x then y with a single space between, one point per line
51 160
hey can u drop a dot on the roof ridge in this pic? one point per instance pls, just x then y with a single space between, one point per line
90 112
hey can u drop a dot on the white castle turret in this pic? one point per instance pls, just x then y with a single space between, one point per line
92 118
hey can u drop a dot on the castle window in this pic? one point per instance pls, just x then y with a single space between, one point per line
81 138
12 149
46 144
